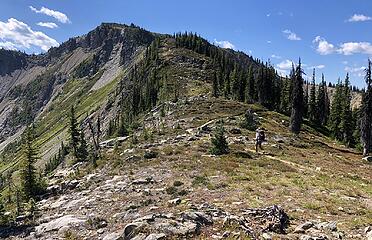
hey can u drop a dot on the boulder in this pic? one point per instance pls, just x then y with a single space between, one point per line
143 181
267 236
175 201
329 226
113 236
156 236
303 227
132 229
56 224
369 235
367 159
197 217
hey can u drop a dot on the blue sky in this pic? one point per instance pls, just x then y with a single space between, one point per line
334 36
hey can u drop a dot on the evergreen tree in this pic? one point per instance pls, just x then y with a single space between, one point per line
3 218
83 148
322 103
28 170
251 93
306 101
219 143
366 113
285 96
215 87
312 101
346 126
336 111
74 133
297 100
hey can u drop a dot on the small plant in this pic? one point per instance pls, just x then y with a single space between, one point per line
177 183
249 121
219 143
200 181
171 190
150 155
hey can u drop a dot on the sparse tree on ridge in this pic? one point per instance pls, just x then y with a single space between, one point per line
366 113
312 100
74 133
297 100
346 124
28 174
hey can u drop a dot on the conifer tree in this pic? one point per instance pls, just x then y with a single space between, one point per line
251 87
312 100
285 96
219 143
306 101
215 87
28 171
3 218
366 113
346 126
322 103
83 147
336 111
297 100
74 133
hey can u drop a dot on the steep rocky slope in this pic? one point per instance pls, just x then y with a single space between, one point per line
29 83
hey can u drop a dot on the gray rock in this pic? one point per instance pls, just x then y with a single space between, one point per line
143 181
198 217
369 235
368 159
63 230
303 227
132 229
156 236
175 201
113 236
307 237
173 227
329 226
267 236
56 224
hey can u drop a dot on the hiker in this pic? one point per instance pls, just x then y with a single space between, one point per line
260 138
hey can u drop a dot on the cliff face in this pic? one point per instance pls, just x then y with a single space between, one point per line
29 82
11 60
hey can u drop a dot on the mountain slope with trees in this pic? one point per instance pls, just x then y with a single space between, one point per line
85 106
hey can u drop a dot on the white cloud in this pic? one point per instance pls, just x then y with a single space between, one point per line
52 13
324 47
348 48
268 15
18 34
285 65
321 66
268 41
224 44
355 71
8 45
359 18
47 24
291 35
275 56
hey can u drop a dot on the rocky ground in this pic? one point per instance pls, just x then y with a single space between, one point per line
168 186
